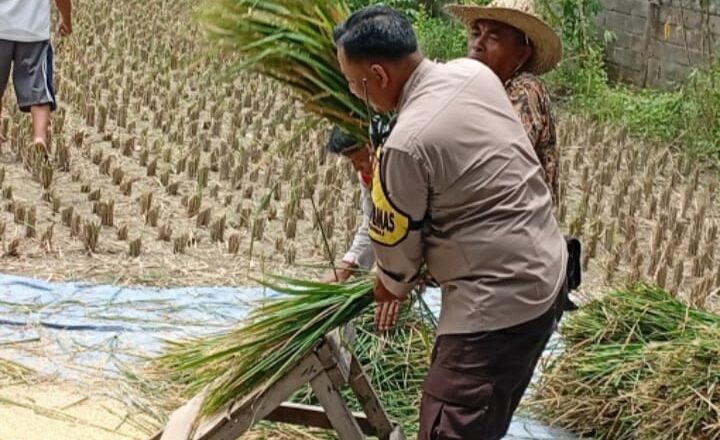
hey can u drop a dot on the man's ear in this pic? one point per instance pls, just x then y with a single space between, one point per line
381 75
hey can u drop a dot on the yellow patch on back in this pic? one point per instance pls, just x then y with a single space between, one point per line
388 226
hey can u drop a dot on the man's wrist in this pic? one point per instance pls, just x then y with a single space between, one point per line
348 265
381 292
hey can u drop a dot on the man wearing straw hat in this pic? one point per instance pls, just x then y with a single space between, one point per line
457 187
508 37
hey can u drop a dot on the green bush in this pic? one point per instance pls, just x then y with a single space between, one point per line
408 7
687 118
440 38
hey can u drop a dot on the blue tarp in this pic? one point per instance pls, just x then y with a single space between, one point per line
95 329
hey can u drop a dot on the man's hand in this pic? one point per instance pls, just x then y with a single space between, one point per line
65 27
388 305
65 9
343 271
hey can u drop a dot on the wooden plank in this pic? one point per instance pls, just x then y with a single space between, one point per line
242 416
329 353
349 334
313 416
337 411
347 339
341 353
369 400
233 422
323 369
180 424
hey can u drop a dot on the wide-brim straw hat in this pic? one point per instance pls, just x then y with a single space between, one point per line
522 15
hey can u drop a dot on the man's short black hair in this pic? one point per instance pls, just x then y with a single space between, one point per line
341 142
376 31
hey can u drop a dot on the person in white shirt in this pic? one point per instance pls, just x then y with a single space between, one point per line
25 50
360 256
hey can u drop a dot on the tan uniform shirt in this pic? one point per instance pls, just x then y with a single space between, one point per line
459 187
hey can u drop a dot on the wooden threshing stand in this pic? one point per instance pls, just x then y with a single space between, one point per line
327 367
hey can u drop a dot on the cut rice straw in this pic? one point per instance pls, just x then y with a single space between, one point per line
638 364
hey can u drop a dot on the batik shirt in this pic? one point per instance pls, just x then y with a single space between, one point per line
532 103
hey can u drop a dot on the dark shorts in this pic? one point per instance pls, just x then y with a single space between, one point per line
476 381
32 72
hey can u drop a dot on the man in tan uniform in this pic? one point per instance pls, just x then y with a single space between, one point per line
459 187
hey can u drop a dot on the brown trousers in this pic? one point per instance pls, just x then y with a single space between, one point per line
476 381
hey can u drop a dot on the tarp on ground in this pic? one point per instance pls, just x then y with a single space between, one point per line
76 329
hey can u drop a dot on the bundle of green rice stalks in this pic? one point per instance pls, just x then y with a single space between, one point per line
638 365
275 336
280 331
291 42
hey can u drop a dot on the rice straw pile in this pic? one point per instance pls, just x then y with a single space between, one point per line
638 364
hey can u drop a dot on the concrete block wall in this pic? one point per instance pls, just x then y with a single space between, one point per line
659 42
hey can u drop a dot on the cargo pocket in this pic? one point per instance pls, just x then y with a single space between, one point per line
455 405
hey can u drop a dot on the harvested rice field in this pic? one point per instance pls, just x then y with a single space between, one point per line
170 169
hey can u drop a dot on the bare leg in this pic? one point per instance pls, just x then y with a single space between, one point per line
40 121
